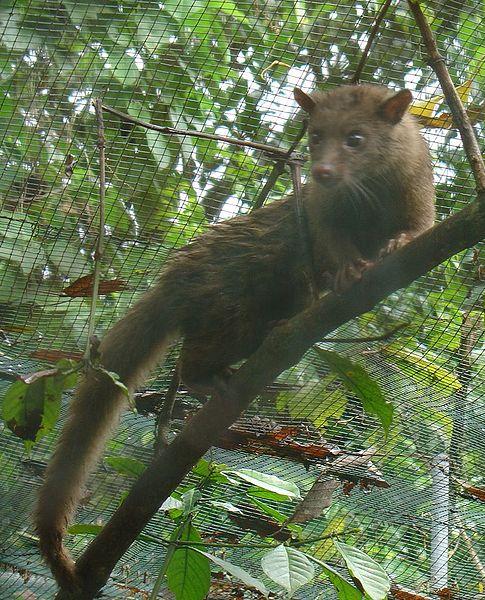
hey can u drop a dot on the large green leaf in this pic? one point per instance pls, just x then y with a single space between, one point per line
31 407
316 401
371 575
278 516
236 571
267 482
155 28
345 590
124 68
12 34
158 144
422 369
188 573
358 381
18 243
288 567
85 529
125 465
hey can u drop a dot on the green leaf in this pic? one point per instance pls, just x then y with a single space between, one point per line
155 28
22 409
85 528
188 573
422 369
257 492
316 401
82 11
288 567
69 371
236 571
124 68
115 378
31 408
225 506
357 380
270 511
139 111
124 465
210 471
267 482
189 500
158 144
171 503
345 590
12 33
122 29
18 244
66 256
371 575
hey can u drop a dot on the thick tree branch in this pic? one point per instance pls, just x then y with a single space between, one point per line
283 347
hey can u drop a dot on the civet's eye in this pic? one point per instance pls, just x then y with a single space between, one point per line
315 137
354 139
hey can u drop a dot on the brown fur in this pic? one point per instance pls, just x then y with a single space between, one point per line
223 293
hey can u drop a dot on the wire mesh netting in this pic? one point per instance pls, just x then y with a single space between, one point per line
229 69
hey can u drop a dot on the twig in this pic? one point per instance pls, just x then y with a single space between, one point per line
295 544
272 150
473 554
480 567
303 232
168 557
99 249
278 169
460 117
372 35
165 416
372 338
463 370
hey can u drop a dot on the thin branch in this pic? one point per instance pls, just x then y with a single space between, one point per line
295 544
99 250
303 233
372 35
278 169
272 150
460 117
480 567
165 415
372 338
473 554
168 557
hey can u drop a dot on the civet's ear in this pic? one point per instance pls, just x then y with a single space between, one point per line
304 100
393 109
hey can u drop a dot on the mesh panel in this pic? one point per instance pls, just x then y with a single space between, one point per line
229 68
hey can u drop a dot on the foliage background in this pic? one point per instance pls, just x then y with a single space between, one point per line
229 68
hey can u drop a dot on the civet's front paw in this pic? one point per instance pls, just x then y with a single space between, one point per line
350 272
395 243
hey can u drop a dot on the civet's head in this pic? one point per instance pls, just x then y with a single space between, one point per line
354 131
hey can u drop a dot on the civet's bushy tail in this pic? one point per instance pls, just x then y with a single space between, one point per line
130 349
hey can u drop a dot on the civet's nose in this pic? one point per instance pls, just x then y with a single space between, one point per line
324 171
